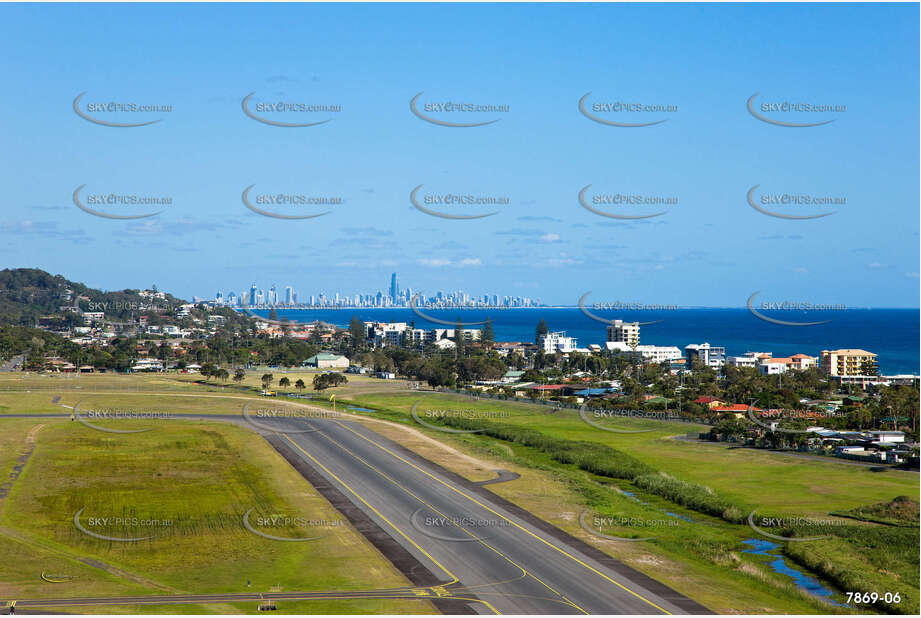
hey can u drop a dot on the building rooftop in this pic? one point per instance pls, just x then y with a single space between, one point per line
849 352
325 356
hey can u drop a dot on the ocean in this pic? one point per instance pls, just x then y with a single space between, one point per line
893 334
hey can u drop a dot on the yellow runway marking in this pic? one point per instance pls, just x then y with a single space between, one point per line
524 571
522 528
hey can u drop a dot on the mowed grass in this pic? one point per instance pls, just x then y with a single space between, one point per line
773 482
38 381
190 483
326 607
702 558
358 384
27 393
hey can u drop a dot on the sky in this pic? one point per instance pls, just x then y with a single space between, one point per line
710 249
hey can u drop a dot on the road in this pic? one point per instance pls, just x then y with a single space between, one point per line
480 547
470 538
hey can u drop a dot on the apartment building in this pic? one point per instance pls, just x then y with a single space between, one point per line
850 366
382 334
650 353
749 359
711 356
556 342
781 364
624 332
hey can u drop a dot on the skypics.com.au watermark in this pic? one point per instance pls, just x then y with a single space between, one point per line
771 112
632 204
633 306
615 306
103 306
118 201
595 416
788 523
104 528
112 113
414 307
437 112
788 305
455 205
281 113
806 205
623 113
273 526
466 414
633 522
596 526
287 418
272 204
451 528
89 417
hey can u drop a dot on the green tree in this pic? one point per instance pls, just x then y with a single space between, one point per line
460 340
300 385
266 380
489 335
326 380
284 382
239 375
357 333
542 329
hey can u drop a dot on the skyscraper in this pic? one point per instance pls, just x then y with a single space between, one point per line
394 288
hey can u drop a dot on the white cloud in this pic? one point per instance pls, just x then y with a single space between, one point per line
434 262
439 262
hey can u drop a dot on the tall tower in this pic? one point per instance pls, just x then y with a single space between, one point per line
394 288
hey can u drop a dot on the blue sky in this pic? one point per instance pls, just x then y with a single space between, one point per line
711 249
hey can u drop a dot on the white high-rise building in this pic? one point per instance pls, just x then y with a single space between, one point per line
711 356
556 342
624 332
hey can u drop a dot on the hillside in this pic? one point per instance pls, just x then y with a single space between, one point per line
27 294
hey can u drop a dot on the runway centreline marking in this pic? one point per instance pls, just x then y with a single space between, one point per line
491 510
385 449
454 578
524 571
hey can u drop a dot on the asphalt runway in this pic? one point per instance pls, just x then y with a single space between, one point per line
482 550
475 544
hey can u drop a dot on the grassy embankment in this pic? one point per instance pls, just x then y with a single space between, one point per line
717 487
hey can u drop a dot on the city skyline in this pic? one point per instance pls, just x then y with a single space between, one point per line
255 297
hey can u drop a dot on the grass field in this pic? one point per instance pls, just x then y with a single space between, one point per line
779 483
702 558
188 484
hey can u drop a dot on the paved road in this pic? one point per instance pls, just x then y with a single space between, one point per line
473 542
479 546
201 599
